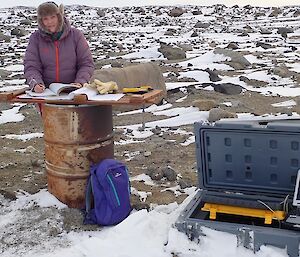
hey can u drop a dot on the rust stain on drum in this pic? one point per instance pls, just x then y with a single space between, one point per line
75 137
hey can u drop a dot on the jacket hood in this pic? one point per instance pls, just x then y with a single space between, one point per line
65 29
50 8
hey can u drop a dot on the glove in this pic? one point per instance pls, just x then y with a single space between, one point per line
103 87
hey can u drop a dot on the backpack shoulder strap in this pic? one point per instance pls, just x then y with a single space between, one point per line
89 192
88 195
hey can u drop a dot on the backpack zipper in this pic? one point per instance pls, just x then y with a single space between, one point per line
114 189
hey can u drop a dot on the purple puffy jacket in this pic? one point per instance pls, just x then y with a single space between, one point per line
66 60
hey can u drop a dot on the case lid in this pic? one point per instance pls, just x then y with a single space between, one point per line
253 157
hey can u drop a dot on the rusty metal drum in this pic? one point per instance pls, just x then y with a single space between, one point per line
76 136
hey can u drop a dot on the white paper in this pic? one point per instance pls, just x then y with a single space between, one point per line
45 93
89 92
106 97
49 97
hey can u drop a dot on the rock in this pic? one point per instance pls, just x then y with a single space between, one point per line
101 13
116 65
281 71
139 10
248 7
4 38
233 46
129 131
37 163
264 45
156 130
228 88
141 128
154 173
275 12
184 184
248 29
140 206
176 12
169 174
147 153
236 57
196 12
186 47
213 76
253 82
30 149
157 174
8 195
150 170
158 12
296 13
201 25
284 30
172 53
265 31
194 34
25 22
134 76
19 32
244 34
204 105
171 32
217 114
4 73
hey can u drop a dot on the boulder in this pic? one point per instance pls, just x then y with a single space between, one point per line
253 82
134 76
233 46
265 31
236 57
196 12
26 22
19 32
4 73
217 114
282 71
101 13
296 13
264 45
176 12
172 53
171 32
201 25
228 88
213 76
194 34
169 174
284 30
4 37
275 12
204 104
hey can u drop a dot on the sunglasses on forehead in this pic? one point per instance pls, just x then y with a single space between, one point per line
50 2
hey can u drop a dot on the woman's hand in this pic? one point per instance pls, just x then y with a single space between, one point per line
39 88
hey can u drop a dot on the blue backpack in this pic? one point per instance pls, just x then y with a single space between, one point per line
109 187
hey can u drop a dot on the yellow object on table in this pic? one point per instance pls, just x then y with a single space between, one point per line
103 87
268 215
139 90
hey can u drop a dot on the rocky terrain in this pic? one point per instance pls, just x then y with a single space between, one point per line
260 49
